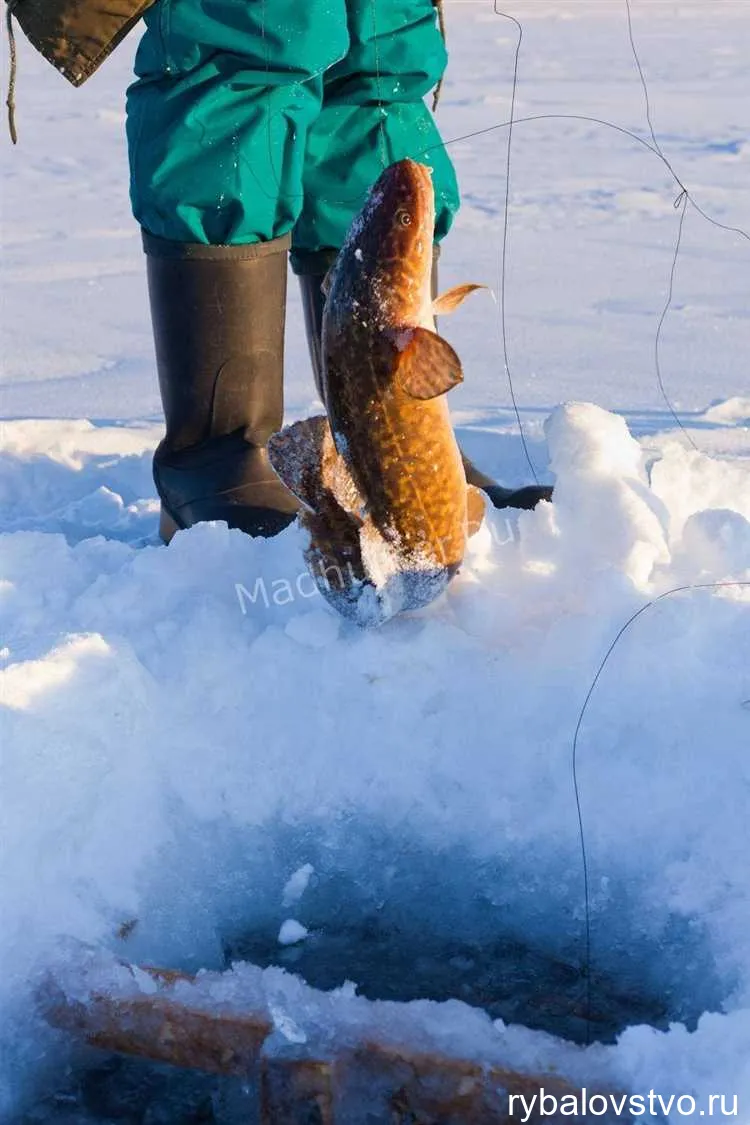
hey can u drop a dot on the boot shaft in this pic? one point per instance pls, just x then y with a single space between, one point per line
218 314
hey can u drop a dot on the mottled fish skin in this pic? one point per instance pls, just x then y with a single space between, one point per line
381 479
306 458
401 451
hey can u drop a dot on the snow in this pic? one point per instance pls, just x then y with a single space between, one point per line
179 762
292 932
297 884
334 1020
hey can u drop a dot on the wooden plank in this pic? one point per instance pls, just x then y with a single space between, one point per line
432 1089
296 1092
373 1081
157 1027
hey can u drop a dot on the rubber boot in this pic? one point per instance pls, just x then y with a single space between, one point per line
218 319
315 267
313 301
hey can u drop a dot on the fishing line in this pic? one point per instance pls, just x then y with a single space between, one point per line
526 120
683 200
595 121
642 76
681 204
506 231
531 118
269 114
299 196
439 6
379 88
576 786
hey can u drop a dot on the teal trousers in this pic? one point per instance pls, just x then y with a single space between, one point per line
253 118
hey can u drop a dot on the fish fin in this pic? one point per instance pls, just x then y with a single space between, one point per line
334 554
475 509
450 300
304 456
296 456
426 364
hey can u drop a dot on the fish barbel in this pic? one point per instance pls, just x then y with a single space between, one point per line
381 478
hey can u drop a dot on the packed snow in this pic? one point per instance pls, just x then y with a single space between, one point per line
197 751
292 932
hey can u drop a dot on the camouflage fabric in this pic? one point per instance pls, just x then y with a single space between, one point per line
76 36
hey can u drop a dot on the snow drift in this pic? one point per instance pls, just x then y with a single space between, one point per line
196 748
179 779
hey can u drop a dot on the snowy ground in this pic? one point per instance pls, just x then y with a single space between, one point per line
171 760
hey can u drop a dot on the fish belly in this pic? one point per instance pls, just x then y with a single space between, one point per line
411 474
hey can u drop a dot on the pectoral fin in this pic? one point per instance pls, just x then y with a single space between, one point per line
450 300
426 364
305 457
296 455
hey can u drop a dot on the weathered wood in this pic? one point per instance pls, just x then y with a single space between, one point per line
297 1092
157 1027
432 1089
371 1081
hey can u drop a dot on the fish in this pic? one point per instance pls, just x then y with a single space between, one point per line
380 477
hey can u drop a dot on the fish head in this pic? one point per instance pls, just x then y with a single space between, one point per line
390 244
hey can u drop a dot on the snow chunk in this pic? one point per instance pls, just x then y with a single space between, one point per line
732 410
297 884
605 517
22 684
292 932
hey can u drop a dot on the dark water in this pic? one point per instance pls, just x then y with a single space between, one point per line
416 925
509 980
120 1091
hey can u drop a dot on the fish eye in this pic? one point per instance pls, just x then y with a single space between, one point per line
404 218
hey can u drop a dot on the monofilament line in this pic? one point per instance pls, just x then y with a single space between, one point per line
642 76
576 786
506 232
681 203
379 88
